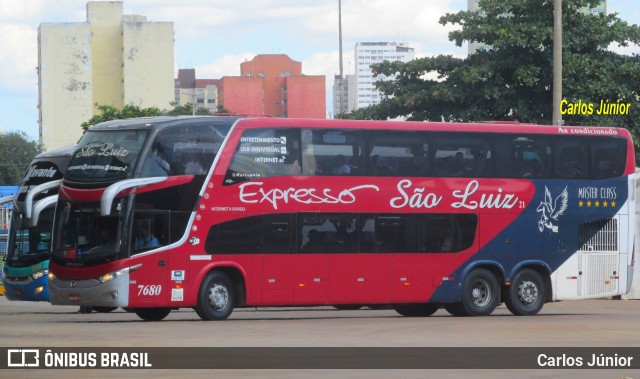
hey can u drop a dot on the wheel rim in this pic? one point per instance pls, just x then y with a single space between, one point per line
528 292
481 293
219 296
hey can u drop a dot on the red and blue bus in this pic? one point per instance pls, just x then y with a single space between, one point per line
27 262
215 213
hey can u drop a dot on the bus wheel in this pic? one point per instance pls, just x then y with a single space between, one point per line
526 294
480 293
216 297
456 309
104 309
416 310
153 314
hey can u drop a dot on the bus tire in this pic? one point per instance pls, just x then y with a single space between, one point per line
153 314
104 309
216 297
456 309
480 293
416 310
527 293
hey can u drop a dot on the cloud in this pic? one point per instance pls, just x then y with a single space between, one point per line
227 65
18 65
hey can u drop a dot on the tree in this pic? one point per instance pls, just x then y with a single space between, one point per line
109 112
512 79
16 152
186 109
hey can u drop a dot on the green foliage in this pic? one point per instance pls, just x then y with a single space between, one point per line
109 112
186 109
512 80
16 152
221 109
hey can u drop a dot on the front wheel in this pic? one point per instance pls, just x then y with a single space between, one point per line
416 310
153 314
479 293
526 294
217 297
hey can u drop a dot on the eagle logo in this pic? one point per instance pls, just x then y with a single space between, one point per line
552 209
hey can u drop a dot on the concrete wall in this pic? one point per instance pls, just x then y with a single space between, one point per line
306 97
148 64
65 82
241 94
106 25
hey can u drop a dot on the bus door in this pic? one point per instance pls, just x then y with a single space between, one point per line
594 270
292 274
150 230
357 276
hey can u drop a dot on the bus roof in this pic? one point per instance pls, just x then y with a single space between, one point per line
499 127
64 151
163 121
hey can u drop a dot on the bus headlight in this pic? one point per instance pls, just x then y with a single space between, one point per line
51 276
116 274
39 274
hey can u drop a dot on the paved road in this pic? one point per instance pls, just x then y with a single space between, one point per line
597 323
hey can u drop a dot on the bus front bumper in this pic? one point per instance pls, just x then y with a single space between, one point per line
91 292
26 289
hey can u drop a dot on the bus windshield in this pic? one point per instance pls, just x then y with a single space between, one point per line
85 237
30 245
106 155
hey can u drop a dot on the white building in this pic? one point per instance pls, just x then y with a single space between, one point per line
110 59
368 53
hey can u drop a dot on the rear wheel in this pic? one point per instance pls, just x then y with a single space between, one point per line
479 294
456 309
526 294
416 310
153 314
104 309
217 297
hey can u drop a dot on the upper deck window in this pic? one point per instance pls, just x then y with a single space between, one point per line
106 155
183 150
265 152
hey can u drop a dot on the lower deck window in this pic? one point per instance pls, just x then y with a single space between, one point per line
333 233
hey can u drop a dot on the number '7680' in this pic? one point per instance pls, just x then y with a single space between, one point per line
149 290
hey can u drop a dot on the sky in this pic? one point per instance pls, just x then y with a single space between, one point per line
215 36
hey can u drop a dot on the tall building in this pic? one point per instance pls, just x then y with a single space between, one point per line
473 5
111 59
273 84
345 97
368 53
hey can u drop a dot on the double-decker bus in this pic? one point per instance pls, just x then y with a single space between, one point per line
338 212
27 261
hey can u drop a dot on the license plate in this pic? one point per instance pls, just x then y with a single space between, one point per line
74 297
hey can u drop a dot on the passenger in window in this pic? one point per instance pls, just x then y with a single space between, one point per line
315 241
145 238
340 166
